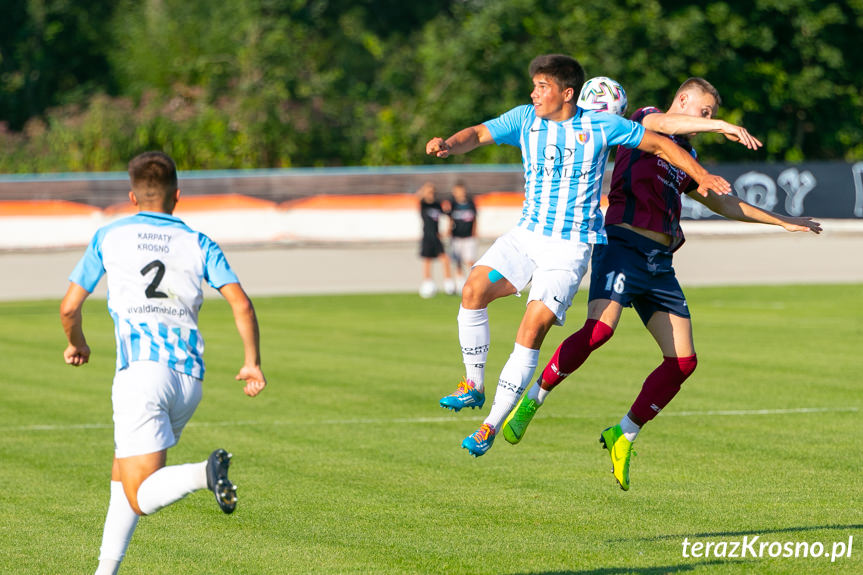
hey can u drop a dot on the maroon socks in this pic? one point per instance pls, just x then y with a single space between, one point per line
661 386
574 351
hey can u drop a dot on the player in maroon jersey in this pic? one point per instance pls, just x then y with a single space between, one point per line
635 268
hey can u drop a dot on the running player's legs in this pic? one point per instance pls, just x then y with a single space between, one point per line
152 405
132 471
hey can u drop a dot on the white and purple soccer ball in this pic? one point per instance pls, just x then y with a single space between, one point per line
604 95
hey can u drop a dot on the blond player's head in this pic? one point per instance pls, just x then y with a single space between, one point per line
696 97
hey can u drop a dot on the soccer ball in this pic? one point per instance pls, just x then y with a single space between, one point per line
603 95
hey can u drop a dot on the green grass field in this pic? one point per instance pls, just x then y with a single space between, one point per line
346 464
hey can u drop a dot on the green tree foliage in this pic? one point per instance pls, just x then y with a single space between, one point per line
788 70
52 52
273 83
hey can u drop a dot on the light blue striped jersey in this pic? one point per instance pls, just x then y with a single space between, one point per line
155 265
564 163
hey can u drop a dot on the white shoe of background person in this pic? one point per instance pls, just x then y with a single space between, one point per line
427 289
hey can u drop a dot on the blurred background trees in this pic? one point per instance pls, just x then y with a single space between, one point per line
288 83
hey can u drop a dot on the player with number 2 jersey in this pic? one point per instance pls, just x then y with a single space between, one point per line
155 266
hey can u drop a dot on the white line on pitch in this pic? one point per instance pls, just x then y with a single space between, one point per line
443 419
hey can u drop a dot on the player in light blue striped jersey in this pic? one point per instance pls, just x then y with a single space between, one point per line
155 266
564 153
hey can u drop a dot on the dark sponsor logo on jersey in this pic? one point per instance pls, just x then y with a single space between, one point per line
562 164
677 175
558 154
559 171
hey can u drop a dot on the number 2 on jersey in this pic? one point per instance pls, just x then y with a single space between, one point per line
152 289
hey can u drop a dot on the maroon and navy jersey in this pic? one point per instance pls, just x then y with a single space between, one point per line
645 189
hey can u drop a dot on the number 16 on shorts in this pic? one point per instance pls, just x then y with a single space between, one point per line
615 281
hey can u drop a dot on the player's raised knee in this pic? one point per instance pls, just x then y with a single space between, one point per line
474 293
686 365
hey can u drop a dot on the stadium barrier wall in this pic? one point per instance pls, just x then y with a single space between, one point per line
235 219
361 205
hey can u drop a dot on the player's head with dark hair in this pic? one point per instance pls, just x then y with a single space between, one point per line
701 86
154 181
564 70
459 191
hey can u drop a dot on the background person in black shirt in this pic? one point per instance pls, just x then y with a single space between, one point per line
431 247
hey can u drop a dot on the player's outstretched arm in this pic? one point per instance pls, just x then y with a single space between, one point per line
461 142
663 147
733 208
247 326
77 352
672 124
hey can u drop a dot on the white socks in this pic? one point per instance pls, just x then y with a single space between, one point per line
514 377
120 523
474 337
171 484
162 488
537 393
629 428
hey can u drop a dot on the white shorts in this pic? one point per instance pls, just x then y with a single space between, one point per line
555 265
463 250
152 404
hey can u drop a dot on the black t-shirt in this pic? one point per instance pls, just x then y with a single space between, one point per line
463 218
430 213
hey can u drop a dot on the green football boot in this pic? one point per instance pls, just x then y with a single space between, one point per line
516 422
620 449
